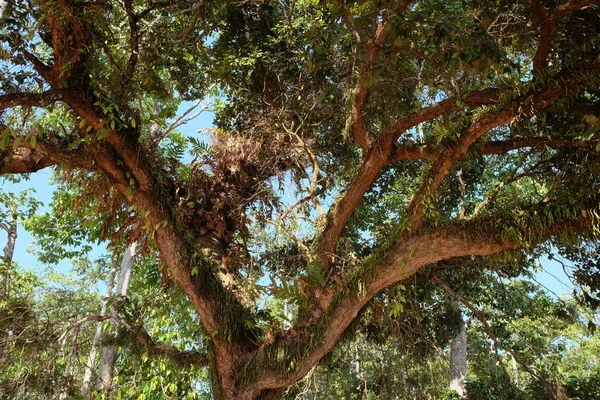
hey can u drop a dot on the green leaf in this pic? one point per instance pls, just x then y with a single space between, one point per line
17 142
591 119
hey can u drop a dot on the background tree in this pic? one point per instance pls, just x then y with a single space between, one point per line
409 133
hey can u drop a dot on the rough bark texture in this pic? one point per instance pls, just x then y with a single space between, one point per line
458 361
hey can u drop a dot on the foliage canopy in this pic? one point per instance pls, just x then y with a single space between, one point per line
413 137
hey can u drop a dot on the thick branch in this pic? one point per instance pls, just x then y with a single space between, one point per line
574 5
134 45
407 256
117 157
69 37
26 159
548 20
407 259
527 106
547 23
342 210
444 107
41 68
385 153
429 152
28 99
220 311
361 92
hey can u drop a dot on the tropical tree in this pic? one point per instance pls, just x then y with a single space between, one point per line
401 134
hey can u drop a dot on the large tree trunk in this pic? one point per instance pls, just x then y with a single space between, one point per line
9 250
89 368
458 362
109 353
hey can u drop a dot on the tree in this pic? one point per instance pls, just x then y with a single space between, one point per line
514 319
13 209
108 353
409 133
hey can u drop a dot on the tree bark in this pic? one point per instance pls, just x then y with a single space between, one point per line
89 368
109 353
3 8
131 171
458 361
70 359
9 250
515 371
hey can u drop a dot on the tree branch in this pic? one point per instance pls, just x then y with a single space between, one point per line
404 258
314 179
26 158
134 47
115 158
407 259
360 93
44 70
69 37
430 152
386 152
574 5
143 338
341 211
349 21
548 21
474 99
28 99
527 105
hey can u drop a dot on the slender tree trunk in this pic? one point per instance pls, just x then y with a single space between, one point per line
288 314
3 8
458 362
89 368
515 371
109 353
70 359
9 250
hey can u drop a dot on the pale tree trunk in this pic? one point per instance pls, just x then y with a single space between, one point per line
109 353
288 314
515 371
3 8
70 359
458 361
89 368
9 250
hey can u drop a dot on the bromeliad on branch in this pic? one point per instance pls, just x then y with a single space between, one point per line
370 111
